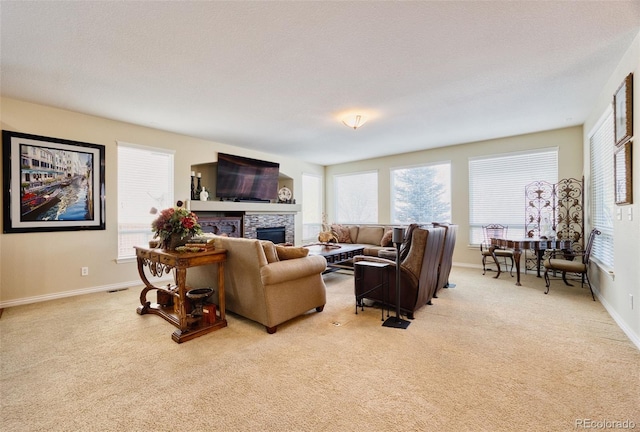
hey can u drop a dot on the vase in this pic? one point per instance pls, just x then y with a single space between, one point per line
174 241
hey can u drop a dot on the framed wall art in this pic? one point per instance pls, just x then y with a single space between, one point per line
622 174
52 184
623 110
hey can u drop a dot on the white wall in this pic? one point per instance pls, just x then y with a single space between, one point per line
42 266
615 292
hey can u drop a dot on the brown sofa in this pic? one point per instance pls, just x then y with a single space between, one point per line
446 261
262 287
374 238
418 272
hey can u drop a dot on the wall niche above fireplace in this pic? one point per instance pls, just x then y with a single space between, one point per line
208 175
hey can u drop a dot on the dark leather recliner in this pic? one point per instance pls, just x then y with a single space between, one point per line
418 272
446 262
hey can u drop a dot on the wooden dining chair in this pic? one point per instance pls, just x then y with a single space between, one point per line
495 231
575 263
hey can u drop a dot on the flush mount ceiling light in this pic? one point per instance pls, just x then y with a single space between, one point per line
354 121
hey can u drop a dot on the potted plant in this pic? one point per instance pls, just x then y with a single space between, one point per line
175 226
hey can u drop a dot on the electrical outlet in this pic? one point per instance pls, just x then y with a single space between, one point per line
631 301
84 271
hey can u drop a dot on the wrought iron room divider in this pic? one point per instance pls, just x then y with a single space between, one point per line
554 209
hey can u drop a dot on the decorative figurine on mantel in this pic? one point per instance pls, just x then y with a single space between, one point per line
204 195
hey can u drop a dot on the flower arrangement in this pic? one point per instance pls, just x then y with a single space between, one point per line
175 222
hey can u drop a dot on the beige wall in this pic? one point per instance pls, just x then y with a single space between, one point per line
567 140
42 266
615 290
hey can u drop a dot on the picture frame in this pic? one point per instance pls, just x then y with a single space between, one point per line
623 111
52 184
622 174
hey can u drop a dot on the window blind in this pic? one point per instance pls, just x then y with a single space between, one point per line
311 206
356 197
145 181
497 188
601 147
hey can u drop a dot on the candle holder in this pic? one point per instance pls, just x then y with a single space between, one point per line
193 187
199 188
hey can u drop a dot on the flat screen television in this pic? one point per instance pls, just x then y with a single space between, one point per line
245 179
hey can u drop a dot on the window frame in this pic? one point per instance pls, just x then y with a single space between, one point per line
476 235
336 197
305 225
166 202
603 252
392 192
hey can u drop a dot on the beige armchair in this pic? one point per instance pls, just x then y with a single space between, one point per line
268 291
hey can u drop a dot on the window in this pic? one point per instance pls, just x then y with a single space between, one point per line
421 194
601 145
497 188
145 181
356 198
311 206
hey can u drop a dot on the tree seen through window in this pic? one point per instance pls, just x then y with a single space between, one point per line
421 194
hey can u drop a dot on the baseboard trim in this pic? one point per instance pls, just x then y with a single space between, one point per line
635 339
64 294
467 265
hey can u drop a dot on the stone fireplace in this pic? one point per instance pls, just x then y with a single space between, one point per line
275 234
247 225
253 221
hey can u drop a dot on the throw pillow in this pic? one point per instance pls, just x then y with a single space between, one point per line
370 235
386 239
270 251
289 252
341 233
353 233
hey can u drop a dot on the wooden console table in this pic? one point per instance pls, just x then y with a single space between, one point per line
160 261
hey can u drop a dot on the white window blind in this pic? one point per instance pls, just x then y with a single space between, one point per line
421 194
356 198
601 146
311 206
497 188
145 181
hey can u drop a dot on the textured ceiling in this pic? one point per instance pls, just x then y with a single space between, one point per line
275 76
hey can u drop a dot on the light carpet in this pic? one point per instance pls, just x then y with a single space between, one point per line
486 356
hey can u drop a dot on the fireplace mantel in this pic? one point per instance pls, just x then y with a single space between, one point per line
252 207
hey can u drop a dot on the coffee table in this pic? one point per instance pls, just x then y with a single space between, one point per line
338 256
